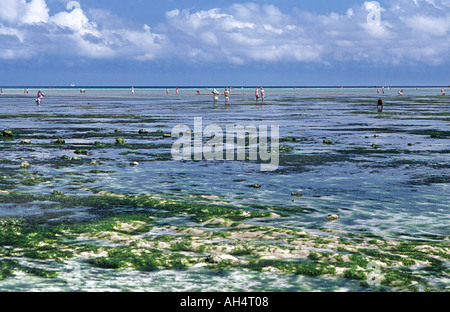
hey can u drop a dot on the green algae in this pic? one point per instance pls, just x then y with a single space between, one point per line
59 141
434 134
294 139
124 257
116 134
81 151
95 171
22 177
59 242
78 116
8 268
306 268
316 159
200 212
374 150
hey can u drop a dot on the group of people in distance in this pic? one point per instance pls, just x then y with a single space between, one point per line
216 94
400 93
257 93
227 93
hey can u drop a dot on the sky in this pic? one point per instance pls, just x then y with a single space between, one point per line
224 43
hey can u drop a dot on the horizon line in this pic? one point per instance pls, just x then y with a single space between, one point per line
221 86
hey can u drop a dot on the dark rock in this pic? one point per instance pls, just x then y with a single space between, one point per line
7 133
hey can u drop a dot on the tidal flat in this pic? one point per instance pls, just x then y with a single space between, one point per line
91 198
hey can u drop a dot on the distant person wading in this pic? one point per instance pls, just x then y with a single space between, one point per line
40 96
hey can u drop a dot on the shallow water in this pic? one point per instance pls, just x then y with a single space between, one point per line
78 277
398 188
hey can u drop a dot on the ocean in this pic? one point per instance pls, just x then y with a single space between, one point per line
383 174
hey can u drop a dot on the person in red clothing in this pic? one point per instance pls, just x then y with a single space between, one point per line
380 105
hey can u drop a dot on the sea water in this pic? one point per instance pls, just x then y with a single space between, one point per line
385 173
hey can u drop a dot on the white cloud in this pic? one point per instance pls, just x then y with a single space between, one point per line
22 12
69 33
10 10
405 31
243 32
36 11
76 21
7 31
429 25
12 54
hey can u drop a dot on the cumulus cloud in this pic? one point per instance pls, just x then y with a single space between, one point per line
27 28
367 32
397 32
36 12
241 33
76 21
10 10
22 12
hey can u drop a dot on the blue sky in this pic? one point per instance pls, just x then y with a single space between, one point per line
224 42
